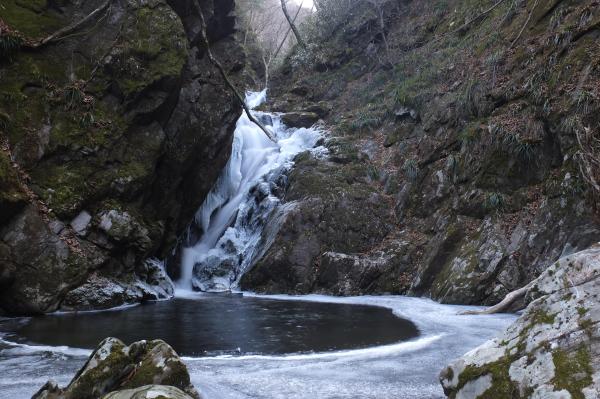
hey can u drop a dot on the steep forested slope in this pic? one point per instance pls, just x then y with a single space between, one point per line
462 156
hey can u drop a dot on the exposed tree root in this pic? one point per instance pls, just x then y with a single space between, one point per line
228 81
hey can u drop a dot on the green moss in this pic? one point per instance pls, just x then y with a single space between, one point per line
11 192
154 48
542 317
31 17
88 384
573 372
502 386
173 372
64 187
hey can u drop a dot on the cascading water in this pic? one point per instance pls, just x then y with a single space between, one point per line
235 212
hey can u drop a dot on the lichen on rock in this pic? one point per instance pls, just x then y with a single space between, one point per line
551 350
115 370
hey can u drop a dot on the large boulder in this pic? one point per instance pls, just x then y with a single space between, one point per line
113 366
551 351
330 208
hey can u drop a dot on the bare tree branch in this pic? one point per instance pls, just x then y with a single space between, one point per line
229 83
292 24
61 33
526 23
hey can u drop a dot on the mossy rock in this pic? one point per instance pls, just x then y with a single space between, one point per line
114 366
12 196
33 18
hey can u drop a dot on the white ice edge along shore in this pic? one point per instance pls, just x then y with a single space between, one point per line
434 321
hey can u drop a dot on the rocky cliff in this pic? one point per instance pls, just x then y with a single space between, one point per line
113 131
457 165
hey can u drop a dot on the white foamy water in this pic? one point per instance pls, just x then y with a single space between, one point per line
236 210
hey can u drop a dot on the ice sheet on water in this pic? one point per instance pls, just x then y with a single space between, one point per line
400 371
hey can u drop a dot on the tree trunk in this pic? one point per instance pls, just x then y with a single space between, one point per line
292 24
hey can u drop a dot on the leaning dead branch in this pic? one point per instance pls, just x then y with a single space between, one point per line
479 17
292 24
525 24
503 305
228 81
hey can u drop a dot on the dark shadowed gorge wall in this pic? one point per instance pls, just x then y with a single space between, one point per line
111 138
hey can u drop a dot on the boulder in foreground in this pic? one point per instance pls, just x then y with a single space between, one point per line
136 371
551 351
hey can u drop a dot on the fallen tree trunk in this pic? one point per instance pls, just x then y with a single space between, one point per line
228 81
508 300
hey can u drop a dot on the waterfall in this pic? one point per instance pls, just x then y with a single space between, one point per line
234 213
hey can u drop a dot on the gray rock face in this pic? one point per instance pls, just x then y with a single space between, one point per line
132 370
100 292
333 212
551 351
38 267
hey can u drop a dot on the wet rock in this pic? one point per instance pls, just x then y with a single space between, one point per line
38 264
122 227
149 392
12 196
299 119
99 292
128 370
551 351
330 207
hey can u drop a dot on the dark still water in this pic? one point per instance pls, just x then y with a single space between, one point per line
224 324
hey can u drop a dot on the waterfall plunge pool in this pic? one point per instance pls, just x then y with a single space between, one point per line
217 324
402 370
